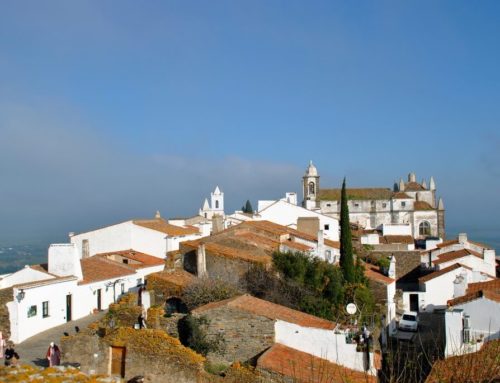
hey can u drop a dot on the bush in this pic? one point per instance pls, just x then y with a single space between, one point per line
193 334
206 291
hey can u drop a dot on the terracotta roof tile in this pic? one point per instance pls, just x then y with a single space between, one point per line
356 194
473 296
481 366
139 260
455 242
297 246
373 272
96 269
413 186
229 252
422 205
269 310
180 278
159 224
401 195
452 255
438 273
493 285
306 368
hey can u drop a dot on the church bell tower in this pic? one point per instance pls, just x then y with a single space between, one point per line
310 187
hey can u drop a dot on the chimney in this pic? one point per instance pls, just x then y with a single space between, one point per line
71 234
157 215
462 238
460 285
201 261
392 268
217 223
412 177
64 260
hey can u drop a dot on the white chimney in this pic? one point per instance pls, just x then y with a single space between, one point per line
462 238
460 285
201 261
392 268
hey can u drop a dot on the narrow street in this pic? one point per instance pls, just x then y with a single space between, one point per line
32 351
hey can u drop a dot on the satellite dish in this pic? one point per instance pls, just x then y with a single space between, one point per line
351 308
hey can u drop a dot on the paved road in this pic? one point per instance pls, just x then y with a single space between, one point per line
32 351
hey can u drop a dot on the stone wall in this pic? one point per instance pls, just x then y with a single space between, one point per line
149 353
406 261
228 269
245 335
5 297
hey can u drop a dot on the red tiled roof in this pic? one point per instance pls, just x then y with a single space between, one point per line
96 269
422 205
297 246
455 242
401 195
229 252
269 310
373 272
180 278
452 255
413 186
473 296
481 366
306 368
438 273
143 260
258 240
159 224
493 285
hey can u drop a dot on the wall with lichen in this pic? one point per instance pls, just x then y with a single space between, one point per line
5 296
227 269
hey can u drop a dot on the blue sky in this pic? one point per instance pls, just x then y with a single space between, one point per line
110 110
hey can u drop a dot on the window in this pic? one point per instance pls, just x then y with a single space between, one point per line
327 227
311 187
45 309
32 311
403 204
124 260
384 205
329 205
328 255
356 205
216 204
424 228
123 288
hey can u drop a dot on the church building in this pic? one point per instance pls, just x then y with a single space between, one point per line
408 203
216 206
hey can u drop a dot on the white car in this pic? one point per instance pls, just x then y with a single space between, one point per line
409 321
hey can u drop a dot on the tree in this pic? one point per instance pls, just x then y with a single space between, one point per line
346 253
247 208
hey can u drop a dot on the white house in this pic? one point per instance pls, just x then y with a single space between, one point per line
69 288
473 318
286 213
474 255
150 236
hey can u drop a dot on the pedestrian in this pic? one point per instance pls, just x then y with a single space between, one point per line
53 355
11 356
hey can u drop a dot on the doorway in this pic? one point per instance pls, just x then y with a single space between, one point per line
99 297
118 361
414 302
68 308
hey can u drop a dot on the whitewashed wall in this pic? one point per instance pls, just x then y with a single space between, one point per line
321 343
286 214
55 293
484 317
25 275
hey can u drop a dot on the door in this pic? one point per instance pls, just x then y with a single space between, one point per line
68 308
99 300
414 302
118 361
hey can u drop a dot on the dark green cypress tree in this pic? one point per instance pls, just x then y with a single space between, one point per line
346 254
248 207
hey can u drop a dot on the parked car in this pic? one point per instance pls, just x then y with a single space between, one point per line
409 321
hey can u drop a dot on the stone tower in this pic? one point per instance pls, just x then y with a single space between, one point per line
310 185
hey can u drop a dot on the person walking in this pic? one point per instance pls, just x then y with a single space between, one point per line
53 355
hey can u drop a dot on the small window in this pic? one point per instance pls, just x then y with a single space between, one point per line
123 288
356 205
216 204
32 311
45 309
328 205
403 204
327 227
424 229
311 187
384 205
124 260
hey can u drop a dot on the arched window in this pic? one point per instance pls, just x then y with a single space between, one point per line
311 187
424 228
216 204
